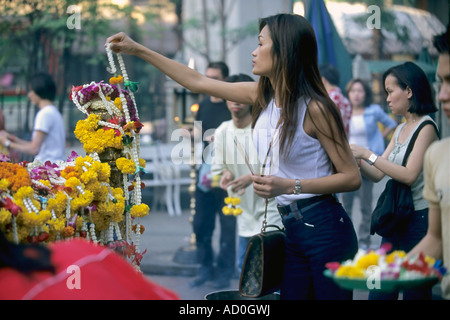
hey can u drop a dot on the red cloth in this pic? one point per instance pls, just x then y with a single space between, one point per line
344 105
102 275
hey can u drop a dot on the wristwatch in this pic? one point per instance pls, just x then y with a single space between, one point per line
298 187
373 157
7 143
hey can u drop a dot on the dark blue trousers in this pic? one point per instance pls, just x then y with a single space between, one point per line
315 235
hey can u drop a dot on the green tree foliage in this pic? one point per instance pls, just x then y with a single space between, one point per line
65 38
37 35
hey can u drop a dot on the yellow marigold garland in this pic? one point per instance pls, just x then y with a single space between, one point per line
58 203
95 139
77 198
138 211
126 166
5 216
118 103
116 80
4 184
16 175
57 225
232 207
34 219
110 202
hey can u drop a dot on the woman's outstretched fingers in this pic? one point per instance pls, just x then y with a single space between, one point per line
121 42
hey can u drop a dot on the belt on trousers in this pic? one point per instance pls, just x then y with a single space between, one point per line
302 204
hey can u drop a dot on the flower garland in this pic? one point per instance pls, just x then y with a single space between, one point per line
232 207
42 202
54 202
77 196
95 139
120 132
131 164
13 176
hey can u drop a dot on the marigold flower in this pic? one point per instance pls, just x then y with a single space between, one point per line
368 260
235 201
395 254
33 219
430 260
116 80
237 211
73 183
69 172
118 103
5 216
57 203
96 139
349 271
126 166
68 232
138 211
141 228
57 224
82 200
15 174
4 184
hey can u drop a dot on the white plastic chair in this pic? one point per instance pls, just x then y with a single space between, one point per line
161 177
165 175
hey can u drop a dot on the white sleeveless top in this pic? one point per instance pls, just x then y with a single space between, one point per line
358 132
307 158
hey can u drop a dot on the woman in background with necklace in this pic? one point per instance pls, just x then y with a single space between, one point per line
409 95
364 131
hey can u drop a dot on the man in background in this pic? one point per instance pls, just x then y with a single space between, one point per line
330 79
436 242
209 200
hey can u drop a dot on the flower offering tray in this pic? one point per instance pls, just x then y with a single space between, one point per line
384 285
386 270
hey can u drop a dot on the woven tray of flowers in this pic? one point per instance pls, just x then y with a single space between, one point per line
385 270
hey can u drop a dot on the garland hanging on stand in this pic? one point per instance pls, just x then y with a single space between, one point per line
121 131
91 196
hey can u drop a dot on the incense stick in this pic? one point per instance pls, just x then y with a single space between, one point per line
244 154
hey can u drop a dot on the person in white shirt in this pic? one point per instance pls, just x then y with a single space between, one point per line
48 141
229 163
364 131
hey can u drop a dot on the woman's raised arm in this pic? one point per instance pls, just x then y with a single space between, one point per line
242 92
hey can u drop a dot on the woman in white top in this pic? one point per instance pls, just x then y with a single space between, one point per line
310 158
364 131
48 141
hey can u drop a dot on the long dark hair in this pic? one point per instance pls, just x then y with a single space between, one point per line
294 52
24 258
442 41
410 75
43 85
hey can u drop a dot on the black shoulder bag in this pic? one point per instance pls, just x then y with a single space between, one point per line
395 204
262 270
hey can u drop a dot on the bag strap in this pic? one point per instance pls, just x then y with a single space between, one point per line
414 137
